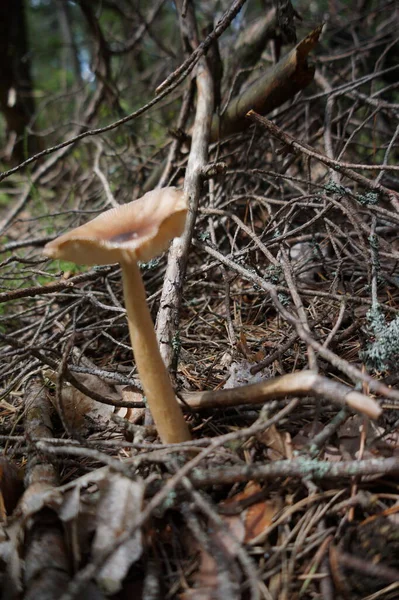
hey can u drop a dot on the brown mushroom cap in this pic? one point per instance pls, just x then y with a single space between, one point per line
138 230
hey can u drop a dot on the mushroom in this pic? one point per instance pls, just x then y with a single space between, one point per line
131 232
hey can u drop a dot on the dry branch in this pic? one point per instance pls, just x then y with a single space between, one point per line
252 41
295 468
305 383
168 315
302 148
277 85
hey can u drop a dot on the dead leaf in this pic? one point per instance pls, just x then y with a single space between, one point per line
278 443
240 374
11 487
133 415
256 517
249 523
70 506
306 434
120 505
38 495
259 517
349 436
81 411
210 579
10 542
242 345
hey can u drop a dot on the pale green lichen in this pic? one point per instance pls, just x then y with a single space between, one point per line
150 265
169 502
335 188
383 347
176 343
204 236
273 274
374 241
284 299
369 198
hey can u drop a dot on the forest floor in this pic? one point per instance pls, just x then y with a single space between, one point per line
288 491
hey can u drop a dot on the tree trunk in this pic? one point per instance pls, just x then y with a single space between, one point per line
16 97
69 55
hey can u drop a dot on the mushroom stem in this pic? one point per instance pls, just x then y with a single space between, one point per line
165 410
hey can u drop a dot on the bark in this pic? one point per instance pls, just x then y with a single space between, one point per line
303 383
46 561
168 315
16 95
251 43
277 85
302 468
70 58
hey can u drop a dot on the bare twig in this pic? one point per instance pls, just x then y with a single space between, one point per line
168 315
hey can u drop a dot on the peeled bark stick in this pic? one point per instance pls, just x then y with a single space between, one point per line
136 231
303 383
277 85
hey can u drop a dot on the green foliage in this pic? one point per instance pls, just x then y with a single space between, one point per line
383 348
57 268
4 199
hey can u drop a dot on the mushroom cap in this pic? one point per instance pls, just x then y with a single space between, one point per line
139 230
